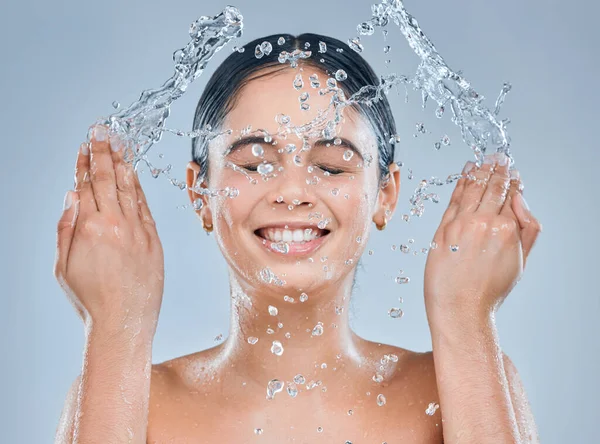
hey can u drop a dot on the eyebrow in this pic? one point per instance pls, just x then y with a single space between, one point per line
251 140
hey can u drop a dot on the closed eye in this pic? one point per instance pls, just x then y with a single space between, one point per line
330 170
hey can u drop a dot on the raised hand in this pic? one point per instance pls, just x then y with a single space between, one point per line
109 258
483 243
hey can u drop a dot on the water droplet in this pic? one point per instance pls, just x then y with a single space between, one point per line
281 41
258 150
439 113
258 431
290 148
281 247
386 49
371 252
437 145
303 97
304 106
395 313
318 330
402 280
355 44
274 386
273 310
266 48
198 204
348 155
270 331
341 75
303 297
314 81
365 28
292 390
433 245
446 140
380 400
454 248
265 168
219 337
258 53
350 412
279 199
335 191
299 379
319 429
116 105
298 82
298 160
277 348
378 378
331 83
252 340
431 408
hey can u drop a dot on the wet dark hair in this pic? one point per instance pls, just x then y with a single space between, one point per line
238 69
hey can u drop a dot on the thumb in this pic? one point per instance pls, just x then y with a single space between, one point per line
530 226
65 230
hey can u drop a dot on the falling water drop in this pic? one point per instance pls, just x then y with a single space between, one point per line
277 348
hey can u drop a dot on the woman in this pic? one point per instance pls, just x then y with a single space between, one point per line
291 238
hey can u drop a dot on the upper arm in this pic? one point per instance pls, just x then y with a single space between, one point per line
66 424
521 407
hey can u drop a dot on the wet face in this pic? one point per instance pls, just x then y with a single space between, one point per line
308 216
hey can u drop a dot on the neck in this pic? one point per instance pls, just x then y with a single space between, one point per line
311 333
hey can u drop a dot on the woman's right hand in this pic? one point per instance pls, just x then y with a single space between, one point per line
109 258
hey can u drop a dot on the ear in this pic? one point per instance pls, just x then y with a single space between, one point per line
388 196
192 172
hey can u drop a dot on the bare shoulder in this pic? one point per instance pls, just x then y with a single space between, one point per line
408 377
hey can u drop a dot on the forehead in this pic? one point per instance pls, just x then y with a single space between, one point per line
272 93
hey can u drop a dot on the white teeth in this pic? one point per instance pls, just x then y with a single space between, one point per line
297 236
287 236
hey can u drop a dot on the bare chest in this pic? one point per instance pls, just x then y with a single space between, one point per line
250 420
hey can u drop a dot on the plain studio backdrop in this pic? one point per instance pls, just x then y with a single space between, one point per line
63 64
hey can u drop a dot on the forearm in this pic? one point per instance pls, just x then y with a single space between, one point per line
113 396
473 389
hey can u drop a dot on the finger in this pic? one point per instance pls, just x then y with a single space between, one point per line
474 188
456 197
496 191
515 187
124 181
64 237
102 171
530 226
144 211
82 182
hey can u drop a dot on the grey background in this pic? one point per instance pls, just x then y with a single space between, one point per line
63 63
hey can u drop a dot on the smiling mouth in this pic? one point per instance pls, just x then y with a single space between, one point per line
292 242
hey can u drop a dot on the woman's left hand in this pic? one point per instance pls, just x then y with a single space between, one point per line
482 242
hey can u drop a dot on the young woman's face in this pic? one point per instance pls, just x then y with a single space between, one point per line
329 190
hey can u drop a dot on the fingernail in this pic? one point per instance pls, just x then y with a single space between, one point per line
502 159
488 159
85 149
115 145
68 201
514 174
100 133
468 167
524 202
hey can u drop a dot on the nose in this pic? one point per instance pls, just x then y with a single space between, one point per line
290 187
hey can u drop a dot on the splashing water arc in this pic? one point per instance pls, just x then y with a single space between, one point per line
142 124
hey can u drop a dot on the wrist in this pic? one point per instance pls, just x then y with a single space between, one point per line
463 330
120 335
